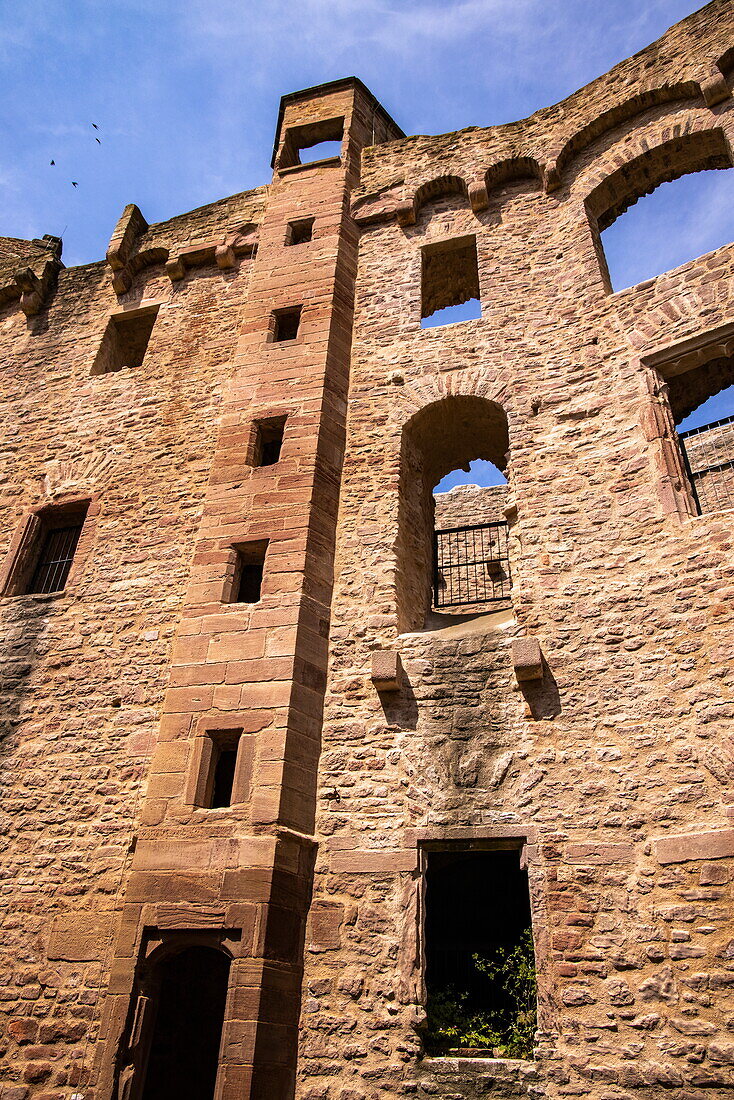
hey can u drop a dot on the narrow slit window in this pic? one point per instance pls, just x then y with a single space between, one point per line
224 759
221 770
480 961
450 282
46 553
300 231
125 341
269 441
250 566
286 323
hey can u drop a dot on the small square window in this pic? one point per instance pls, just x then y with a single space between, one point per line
450 279
46 552
268 440
299 232
125 340
245 584
312 142
285 324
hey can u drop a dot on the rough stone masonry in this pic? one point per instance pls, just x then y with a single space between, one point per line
236 422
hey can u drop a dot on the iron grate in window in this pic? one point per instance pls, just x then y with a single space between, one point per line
708 453
54 561
471 565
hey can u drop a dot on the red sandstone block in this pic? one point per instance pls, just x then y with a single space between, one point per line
145 886
716 844
190 650
188 699
527 659
170 756
237 646
598 853
373 861
386 670
195 675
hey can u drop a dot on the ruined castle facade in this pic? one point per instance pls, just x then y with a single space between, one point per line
240 725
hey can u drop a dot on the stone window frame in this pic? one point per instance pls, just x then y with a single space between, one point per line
264 420
485 837
305 136
200 773
129 310
158 941
24 545
279 312
237 552
444 248
658 422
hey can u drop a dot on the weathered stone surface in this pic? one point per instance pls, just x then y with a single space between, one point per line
609 766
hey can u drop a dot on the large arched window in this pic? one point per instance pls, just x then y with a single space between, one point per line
468 569
675 221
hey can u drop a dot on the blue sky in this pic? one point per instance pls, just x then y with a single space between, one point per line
185 94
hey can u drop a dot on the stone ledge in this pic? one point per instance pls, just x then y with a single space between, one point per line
715 844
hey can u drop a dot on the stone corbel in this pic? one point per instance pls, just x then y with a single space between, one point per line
241 242
551 178
129 228
405 210
35 289
478 194
715 89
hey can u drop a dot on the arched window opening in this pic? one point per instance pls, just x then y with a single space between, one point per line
702 405
173 1047
667 173
676 223
452 546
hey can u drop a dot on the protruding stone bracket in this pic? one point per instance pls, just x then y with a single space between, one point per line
129 228
386 670
35 289
527 659
478 194
122 258
405 211
32 287
239 242
715 89
551 178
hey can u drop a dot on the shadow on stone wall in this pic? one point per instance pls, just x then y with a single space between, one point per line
542 696
400 707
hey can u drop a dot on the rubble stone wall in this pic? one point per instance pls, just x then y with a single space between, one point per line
611 767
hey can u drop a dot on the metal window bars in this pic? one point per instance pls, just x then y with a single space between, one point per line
708 455
471 565
55 558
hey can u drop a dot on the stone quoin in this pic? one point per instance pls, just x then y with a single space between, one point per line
256 712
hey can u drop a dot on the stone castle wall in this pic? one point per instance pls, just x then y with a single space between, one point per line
612 769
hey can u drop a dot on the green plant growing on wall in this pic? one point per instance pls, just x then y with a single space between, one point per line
452 1022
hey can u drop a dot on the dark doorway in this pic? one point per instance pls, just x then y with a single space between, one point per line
184 1052
480 968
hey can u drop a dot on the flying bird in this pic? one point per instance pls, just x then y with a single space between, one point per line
98 141
74 183
95 126
53 162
